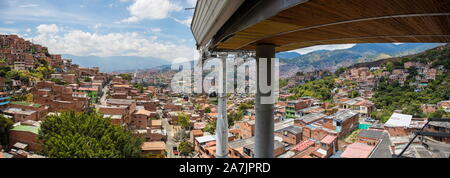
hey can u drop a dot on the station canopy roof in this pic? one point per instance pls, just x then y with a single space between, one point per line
292 24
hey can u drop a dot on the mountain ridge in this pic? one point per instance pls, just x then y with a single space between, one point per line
333 59
117 63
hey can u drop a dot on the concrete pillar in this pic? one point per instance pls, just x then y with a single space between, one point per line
222 120
264 131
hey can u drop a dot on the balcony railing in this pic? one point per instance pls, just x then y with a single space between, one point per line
422 133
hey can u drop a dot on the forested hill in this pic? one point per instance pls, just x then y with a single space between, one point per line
438 49
360 53
391 95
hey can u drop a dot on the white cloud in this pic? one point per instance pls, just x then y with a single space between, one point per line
77 42
323 47
8 22
96 26
8 30
155 30
28 30
42 13
44 28
28 5
150 9
192 2
186 22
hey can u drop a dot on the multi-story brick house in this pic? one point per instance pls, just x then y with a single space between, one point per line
148 105
328 146
41 110
293 106
246 128
398 124
291 135
19 115
309 119
362 106
27 135
121 88
343 122
130 106
153 149
118 114
441 127
429 108
445 105
140 119
58 97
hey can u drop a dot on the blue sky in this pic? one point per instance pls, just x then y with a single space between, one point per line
148 28
145 28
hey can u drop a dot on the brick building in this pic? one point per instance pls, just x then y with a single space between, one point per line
343 122
25 134
291 135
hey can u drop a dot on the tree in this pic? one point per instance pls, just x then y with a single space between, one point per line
207 110
183 120
320 89
181 135
244 106
210 127
4 70
6 124
87 79
438 114
126 76
139 87
383 116
58 81
389 66
23 76
299 74
340 70
45 71
185 147
29 97
233 117
82 135
354 94
283 83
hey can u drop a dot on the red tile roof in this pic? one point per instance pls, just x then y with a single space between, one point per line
211 143
303 145
357 150
328 139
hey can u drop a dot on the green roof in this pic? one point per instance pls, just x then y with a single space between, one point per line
26 103
26 128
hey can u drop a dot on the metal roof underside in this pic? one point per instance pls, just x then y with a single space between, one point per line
293 24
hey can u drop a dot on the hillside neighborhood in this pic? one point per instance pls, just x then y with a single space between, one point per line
322 114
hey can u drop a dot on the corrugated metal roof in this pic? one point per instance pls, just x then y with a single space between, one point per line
208 138
399 120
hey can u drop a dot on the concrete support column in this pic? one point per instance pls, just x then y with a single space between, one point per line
222 120
264 132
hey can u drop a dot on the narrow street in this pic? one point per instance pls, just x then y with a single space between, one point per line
103 98
169 143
